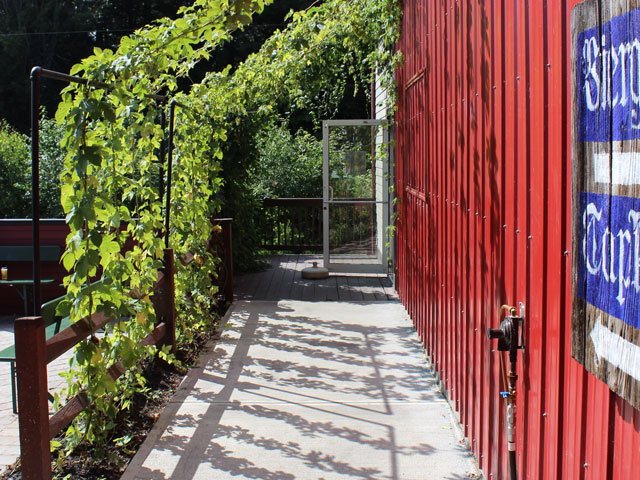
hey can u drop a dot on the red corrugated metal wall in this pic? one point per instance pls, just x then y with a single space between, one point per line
483 172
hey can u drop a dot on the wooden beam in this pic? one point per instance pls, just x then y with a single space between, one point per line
32 398
70 336
63 417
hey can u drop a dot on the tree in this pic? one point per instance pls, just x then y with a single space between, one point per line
15 171
55 34
288 165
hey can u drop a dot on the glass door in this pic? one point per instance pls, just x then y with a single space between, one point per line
355 196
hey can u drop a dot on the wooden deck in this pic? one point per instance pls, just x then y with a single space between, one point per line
283 280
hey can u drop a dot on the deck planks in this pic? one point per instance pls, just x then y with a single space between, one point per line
283 281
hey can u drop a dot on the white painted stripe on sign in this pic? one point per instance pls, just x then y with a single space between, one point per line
625 166
616 350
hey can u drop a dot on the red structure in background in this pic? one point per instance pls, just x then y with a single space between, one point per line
483 173
18 232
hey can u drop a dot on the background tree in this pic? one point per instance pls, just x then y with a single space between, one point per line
56 34
15 171
288 165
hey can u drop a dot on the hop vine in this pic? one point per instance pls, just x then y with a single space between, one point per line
112 174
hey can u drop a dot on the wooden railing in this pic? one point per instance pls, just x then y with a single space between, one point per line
34 352
292 224
352 228
295 225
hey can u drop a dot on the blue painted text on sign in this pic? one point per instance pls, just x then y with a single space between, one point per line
609 264
608 72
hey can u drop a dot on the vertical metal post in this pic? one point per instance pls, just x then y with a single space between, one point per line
167 212
325 194
228 260
163 123
36 74
31 366
35 185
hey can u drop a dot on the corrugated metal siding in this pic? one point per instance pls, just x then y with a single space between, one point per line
483 174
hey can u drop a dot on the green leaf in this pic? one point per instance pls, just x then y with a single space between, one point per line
84 352
96 238
108 112
244 19
68 260
90 106
82 266
63 308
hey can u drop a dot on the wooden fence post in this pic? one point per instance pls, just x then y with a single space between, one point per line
227 255
33 406
164 301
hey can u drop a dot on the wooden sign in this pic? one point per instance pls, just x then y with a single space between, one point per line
605 323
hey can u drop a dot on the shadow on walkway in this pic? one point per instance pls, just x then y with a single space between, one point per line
308 390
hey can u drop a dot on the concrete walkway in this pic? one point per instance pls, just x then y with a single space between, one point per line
308 390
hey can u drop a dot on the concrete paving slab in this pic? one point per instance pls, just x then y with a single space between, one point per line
308 390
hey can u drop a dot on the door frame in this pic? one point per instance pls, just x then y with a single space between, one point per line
326 201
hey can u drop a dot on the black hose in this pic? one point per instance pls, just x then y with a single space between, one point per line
513 474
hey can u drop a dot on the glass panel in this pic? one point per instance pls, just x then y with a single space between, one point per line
351 162
352 230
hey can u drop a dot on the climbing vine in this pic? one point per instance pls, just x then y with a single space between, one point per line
111 176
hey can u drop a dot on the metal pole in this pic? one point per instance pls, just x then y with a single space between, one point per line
36 73
35 185
63 77
169 169
163 123
172 108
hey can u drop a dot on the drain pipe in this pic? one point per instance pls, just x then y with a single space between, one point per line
510 336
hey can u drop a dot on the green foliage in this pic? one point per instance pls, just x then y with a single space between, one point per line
110 197
112 137
15 171
15 166
350 153
237 195
303 71
51 161
288 166
56 34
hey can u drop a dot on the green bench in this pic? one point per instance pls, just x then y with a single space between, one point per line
53 324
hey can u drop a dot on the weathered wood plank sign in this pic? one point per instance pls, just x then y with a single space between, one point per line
605 60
